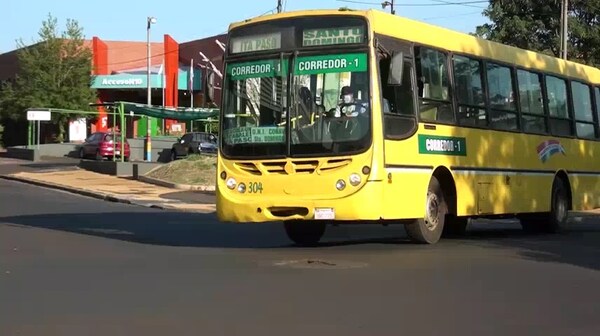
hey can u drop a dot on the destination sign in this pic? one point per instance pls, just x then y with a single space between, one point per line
255 43
431 144
329 36
254 135
256 69
331 63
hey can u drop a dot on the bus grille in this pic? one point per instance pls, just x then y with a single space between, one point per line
292 167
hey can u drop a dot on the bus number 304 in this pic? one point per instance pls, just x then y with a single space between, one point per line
255 188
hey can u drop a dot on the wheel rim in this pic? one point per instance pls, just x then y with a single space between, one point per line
432 212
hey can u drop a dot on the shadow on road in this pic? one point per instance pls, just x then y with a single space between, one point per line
580 246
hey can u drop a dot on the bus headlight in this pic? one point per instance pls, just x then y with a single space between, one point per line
354 179
242 188
340 185
231 183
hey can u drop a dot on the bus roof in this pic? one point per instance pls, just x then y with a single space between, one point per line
443 38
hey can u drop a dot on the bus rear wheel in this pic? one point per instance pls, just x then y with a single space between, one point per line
428 230
304 233
556 220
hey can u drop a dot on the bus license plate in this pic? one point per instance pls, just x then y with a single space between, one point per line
324 213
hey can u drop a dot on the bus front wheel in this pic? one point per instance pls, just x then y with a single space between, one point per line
304 233
428 230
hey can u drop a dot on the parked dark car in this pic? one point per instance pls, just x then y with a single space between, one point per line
194 143
100 145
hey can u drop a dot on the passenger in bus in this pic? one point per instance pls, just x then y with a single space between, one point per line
349 106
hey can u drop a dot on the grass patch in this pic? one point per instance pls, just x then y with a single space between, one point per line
194 170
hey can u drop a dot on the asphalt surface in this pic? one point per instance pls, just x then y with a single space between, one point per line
71 265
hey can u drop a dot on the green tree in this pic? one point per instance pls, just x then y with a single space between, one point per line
55 72
535 25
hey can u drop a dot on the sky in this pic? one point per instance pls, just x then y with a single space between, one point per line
187 20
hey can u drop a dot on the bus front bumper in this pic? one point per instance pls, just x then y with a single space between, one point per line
362 205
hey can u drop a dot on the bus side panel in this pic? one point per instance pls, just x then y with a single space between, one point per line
585 190
405 193
501 193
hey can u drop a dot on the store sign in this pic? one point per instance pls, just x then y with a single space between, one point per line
39 115
329 36
256 69
122 82
255 43
331 63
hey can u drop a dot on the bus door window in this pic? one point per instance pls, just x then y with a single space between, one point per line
434 86
398 101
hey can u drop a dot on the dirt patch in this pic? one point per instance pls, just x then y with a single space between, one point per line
193 170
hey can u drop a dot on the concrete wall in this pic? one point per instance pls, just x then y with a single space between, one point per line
118 168
161 149
23 153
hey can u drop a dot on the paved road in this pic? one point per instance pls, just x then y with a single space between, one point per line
70 265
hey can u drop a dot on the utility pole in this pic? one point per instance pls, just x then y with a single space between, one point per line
564 31
150 20
279 6
391 4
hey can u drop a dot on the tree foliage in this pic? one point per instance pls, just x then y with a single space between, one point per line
535 25
54 72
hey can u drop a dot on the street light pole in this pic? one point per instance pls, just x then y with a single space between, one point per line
564 28
150 20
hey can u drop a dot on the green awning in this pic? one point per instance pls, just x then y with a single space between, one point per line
179 113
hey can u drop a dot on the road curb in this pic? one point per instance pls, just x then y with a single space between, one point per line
75 190
202 188
98 195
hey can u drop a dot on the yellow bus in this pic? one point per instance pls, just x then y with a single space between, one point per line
341 116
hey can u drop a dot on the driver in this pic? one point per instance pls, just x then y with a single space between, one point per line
349 106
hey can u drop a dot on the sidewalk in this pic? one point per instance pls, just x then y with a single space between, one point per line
118 189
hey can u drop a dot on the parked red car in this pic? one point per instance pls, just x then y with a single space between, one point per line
100 146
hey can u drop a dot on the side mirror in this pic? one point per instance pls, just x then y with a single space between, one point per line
396 69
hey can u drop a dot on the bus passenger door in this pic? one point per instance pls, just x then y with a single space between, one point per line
404 195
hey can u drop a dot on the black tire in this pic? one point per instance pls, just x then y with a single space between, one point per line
304 233
98 156
455 226
559 210
557 219
173 155
81 153
428 230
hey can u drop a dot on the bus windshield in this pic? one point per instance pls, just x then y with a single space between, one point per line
329 110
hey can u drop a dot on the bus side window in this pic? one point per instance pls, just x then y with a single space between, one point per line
469 91
558 106
503 107
434 86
